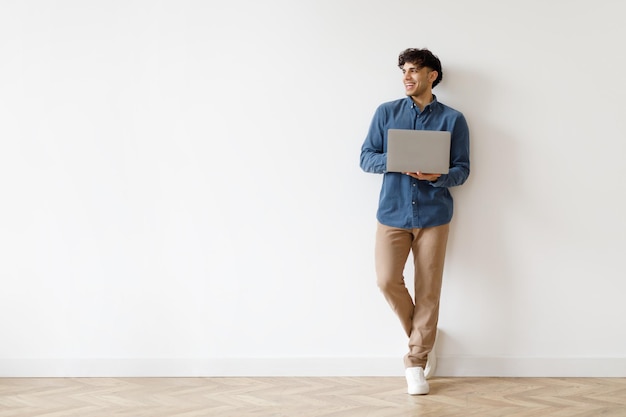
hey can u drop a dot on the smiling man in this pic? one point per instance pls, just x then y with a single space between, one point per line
415 209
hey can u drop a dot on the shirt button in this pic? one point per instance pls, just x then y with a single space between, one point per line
414 202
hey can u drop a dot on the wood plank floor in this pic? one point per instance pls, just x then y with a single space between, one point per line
310 397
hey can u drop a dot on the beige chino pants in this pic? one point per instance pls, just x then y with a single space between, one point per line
418 317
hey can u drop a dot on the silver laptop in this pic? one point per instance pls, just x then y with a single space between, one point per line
426 151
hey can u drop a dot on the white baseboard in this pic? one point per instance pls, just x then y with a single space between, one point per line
451 366
531 367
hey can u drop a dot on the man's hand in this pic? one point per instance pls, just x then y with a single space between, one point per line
423 176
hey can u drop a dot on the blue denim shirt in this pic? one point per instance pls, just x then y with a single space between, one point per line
406 202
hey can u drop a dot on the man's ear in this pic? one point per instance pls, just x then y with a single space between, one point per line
432 76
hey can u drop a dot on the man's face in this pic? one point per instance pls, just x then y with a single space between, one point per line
417 81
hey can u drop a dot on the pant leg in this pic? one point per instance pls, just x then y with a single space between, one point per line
391 253
429 250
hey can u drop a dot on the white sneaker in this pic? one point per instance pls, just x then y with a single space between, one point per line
416 383
431 364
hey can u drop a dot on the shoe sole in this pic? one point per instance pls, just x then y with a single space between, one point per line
419 391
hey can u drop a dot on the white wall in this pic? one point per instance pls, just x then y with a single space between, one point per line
181 192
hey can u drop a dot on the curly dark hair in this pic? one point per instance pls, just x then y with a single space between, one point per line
421 58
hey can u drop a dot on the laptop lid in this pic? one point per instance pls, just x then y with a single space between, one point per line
426 151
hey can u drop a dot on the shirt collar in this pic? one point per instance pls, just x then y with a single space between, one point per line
432 104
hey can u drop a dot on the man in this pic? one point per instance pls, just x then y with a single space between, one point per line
415 208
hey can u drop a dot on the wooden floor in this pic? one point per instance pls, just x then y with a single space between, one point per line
310 397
